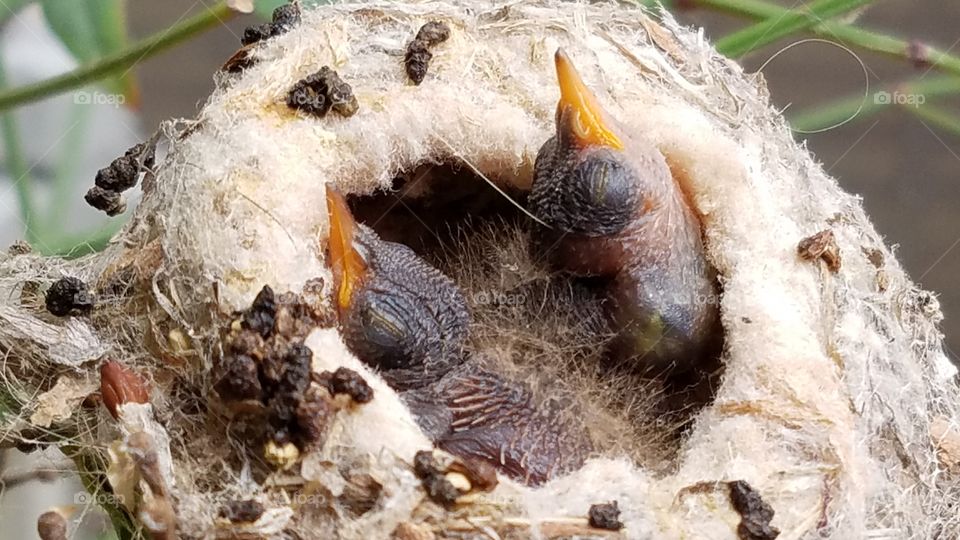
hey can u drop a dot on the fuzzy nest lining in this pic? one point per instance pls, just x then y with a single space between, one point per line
837 403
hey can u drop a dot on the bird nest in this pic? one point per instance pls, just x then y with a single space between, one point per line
834 414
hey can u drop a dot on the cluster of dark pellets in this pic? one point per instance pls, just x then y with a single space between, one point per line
324 90
284 18
347 381
435 482
69 296
755 513
418 55
19 247
605 516
244 511
262 315
266 363
119 176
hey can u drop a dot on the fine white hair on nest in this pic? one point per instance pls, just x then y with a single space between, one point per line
837 404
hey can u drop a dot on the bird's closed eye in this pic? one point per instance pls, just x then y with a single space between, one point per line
385 324
607 190
383 327
381 330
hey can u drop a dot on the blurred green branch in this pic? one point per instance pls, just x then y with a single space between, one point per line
824 116
834 113
17 166
78 245
938 116
93 29
122 60
71 153
790 21
846 34
108 56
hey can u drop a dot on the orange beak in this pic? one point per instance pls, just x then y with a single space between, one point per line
586 117
348 266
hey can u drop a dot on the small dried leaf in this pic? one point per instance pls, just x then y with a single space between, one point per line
663 39
60 402
240 60
120 385
946 439
823 246
69 344
122 474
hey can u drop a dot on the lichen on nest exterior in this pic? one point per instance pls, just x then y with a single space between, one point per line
837 409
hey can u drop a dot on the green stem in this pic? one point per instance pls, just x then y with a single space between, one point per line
824 116
9 408
846 34
71 151
938 116
18 168
122 60
75 246
789 22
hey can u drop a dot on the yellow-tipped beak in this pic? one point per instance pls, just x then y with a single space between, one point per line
348 266
586 115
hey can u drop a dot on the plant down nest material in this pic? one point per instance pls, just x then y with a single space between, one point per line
835 414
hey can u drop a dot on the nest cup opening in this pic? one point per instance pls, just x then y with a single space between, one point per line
541 326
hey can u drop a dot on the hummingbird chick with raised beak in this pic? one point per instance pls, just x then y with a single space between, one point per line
613 210
397 313
406 319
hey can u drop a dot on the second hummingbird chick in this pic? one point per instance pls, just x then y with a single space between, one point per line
613 210
397 313
405 318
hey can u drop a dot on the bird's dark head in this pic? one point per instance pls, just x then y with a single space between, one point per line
584 182
397 313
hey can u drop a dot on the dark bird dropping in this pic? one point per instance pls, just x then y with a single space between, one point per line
324 90
418 55
69 296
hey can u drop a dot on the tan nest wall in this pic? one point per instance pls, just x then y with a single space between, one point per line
836 397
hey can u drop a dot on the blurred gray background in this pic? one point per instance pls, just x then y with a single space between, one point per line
906 170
